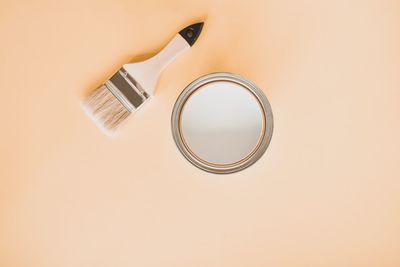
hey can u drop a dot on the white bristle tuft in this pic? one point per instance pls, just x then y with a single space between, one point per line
105 109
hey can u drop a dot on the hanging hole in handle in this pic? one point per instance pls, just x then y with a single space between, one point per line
190 33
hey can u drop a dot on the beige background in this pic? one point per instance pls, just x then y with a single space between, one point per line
326 193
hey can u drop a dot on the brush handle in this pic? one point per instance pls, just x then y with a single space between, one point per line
146 73
170 52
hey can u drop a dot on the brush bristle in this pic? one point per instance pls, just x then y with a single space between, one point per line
105 109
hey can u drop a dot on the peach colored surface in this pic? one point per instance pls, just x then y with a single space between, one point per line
326 193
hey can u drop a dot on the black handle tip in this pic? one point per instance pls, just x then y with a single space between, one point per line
192 32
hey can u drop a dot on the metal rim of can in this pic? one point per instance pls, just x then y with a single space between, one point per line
258 150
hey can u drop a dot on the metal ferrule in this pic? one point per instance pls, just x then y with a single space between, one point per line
127 90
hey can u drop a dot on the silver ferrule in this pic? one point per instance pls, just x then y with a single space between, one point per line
126 90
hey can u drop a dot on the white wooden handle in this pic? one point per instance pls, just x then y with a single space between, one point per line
146 73
173 49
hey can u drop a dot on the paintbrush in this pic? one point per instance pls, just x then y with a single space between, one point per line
133 84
